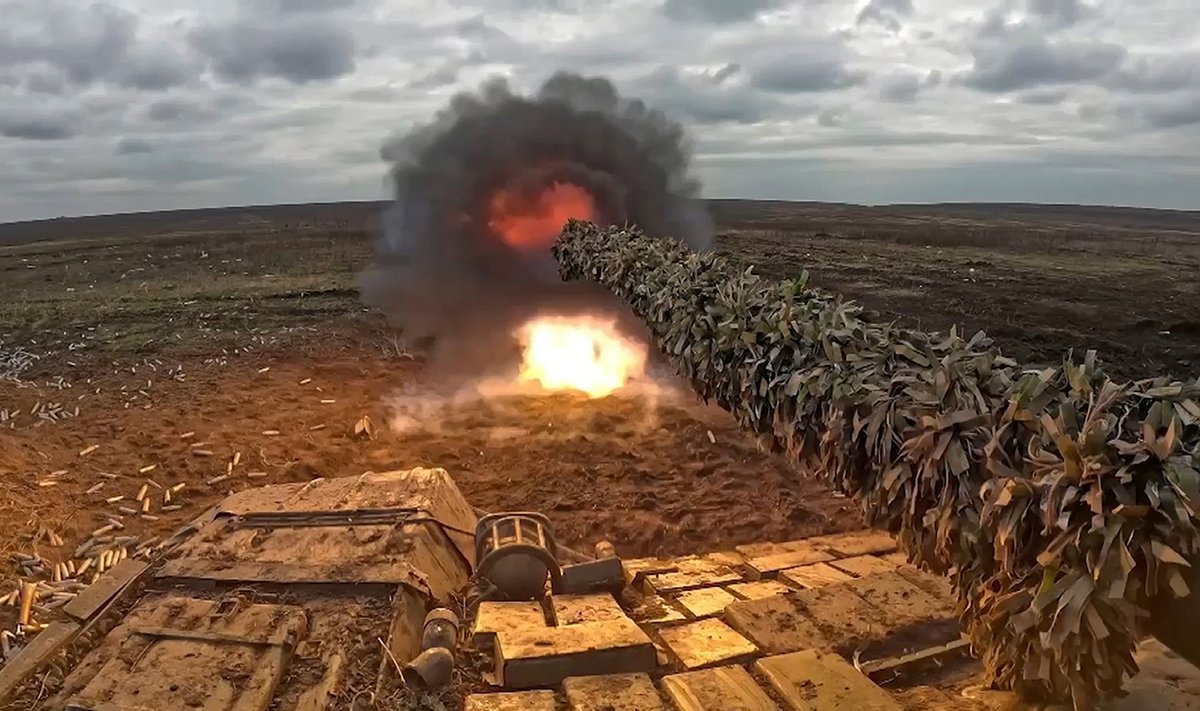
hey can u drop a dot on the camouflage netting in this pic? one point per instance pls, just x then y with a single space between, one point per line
1059 502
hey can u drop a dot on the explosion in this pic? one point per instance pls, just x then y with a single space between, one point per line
483 189
528 223
579 353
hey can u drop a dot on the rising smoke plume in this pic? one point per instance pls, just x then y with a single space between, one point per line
482 190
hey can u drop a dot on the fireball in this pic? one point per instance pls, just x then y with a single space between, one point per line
588 354
528 223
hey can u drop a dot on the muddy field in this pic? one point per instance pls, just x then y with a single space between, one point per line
227 349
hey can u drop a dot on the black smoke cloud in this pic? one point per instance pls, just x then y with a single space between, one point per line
440 270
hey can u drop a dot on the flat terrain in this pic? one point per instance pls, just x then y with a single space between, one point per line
121 335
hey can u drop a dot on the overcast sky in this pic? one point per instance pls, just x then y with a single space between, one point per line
127 105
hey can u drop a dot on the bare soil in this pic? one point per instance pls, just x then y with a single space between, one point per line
244 327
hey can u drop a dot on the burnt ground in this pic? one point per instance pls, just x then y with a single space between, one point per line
244 327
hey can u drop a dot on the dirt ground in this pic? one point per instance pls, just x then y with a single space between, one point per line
244 328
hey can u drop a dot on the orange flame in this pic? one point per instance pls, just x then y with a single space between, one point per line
582 353
529 224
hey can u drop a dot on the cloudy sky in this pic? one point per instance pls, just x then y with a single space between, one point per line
122 105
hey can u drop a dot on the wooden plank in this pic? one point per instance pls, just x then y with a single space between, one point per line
721 689
96 595
512 701
890 663
610 692
856 543
690 573
902 601
814 576
729 559
844 618
759 589
706 643
705 602
543 657
493 617
813 681
45 645
865 565
777 624
653 610
574 609
775 562
765 548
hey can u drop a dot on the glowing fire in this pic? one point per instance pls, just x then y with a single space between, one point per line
526 223
584 353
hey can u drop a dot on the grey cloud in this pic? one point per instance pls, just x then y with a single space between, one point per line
996 24
1060 13
800 70
725 72
300 50
85 42
175 109
1108 113
717 11
376 94
832 118
290 6
446 73
36 127
900 7
547 5
1158 73
901 87
478 28
132 146
885 12
294 118
1043 97
94 42
598 54
883 139
702 99
1175 113
358 155
177 168
1028 63
158 69
45 80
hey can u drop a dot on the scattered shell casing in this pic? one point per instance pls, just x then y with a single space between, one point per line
28 592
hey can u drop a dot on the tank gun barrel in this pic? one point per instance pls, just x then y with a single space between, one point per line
1061 504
